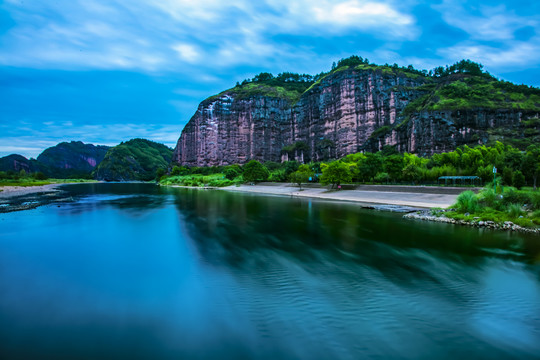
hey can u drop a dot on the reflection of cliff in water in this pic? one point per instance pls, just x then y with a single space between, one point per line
245 231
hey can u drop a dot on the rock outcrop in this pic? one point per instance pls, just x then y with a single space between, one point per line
350 109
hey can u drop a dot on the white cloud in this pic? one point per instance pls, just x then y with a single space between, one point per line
517 54
152 35
360 15
489 23
187 52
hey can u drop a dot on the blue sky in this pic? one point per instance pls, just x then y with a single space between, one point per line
106 71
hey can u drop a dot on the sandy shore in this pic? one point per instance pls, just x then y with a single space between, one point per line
427 199
14 191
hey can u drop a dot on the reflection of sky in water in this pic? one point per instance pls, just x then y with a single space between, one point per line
501 315
174 273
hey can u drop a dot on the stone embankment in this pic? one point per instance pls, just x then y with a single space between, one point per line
427 215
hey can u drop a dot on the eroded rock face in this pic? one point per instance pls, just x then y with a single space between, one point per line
337 117
346 112
228 131
430 132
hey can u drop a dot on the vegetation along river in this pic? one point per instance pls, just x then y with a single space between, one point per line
137 271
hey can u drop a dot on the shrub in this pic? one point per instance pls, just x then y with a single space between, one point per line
382 177
232 171
254 171
515 210
489 197
518 179
515 197
467 202
220 182
278 176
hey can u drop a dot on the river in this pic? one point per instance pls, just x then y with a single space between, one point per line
137 271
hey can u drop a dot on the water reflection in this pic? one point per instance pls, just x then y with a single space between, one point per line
232 226
138 271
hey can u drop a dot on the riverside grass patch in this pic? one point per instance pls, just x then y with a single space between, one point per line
26 182
197 180
522 207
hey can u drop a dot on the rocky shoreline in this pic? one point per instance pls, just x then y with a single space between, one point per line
426 215
26 198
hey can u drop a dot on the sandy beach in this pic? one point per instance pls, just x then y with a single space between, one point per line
409 196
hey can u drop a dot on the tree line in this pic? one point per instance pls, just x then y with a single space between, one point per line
514 167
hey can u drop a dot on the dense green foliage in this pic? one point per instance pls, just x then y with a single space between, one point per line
515 168
286 85
254 171
520 207
137 159
336 173
198 180
73 159
464 91
21 178
302 175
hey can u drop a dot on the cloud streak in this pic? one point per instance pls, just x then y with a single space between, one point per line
122 69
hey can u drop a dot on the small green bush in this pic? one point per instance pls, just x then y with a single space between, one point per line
515 210
518 179
466 202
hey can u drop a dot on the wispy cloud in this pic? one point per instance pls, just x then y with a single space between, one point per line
121 69
160 35
36 139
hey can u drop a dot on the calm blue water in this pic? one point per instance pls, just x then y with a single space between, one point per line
137 272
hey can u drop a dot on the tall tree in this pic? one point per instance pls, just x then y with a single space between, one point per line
254 171
335 173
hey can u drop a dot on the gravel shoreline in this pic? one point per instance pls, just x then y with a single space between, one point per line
426 215
14 191
17 198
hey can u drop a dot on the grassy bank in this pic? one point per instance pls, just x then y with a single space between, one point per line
25 182
521 207
215 180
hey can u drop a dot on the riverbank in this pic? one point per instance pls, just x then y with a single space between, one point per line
427 215
17 198
8 192
420 202
412 197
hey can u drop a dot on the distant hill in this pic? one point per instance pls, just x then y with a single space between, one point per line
71 160
16 163
137 159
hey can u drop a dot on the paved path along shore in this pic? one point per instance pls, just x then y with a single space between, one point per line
417 197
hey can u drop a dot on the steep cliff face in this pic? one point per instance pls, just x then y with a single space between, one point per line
431 132
334 117
226 130
338 115
353 109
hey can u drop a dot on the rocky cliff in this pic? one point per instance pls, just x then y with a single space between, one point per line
351 109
